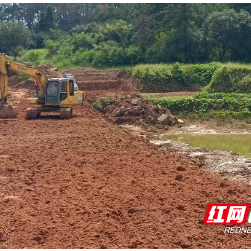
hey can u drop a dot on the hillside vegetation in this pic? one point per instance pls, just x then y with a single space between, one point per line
126 34
212 77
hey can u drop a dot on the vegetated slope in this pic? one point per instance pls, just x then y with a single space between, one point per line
86 183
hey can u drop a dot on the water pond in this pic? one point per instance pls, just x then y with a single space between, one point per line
235 143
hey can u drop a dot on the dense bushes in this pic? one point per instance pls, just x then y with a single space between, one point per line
163 74
209 105
218 77
231 78
35 57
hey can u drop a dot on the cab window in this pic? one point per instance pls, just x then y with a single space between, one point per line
63 93
52 89
71 86
64 87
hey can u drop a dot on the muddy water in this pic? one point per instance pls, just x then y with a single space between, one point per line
236 143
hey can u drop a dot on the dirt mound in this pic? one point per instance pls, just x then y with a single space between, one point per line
14 80
99 85
50 71
137 110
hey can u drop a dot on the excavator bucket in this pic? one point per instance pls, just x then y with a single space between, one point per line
6 111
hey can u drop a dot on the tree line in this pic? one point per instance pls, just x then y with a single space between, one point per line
128 33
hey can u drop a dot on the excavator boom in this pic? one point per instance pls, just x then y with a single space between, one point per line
21 67
6 111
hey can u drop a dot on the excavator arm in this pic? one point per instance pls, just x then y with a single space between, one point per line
21 67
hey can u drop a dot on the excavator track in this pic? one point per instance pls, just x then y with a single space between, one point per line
32 113
66 113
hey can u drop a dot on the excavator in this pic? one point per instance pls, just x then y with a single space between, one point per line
52 95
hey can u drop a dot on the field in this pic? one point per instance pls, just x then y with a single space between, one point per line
88 183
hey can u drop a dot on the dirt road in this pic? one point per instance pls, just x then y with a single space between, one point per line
86 183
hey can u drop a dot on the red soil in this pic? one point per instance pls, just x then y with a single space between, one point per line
86 183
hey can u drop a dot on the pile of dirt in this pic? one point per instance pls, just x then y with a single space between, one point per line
14 80
134 109
50 71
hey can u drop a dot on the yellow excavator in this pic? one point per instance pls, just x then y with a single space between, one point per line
52 95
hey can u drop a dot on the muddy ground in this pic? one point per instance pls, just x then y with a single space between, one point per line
228 165
87 183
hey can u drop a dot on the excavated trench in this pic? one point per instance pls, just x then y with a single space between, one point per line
87 183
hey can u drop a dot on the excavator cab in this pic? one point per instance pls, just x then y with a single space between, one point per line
58 90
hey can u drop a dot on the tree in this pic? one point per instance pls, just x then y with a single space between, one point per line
46 20
180 32
13 35
241 6
118 32
3 11
225 29
143 33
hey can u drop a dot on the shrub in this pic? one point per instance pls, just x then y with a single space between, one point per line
231 78
53 46
36 56
163 74
102 103
204 105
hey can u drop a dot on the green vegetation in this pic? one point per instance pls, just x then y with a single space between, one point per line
36 57
127 34
208 106
164 75
231 78
221 95
214 77
101 103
